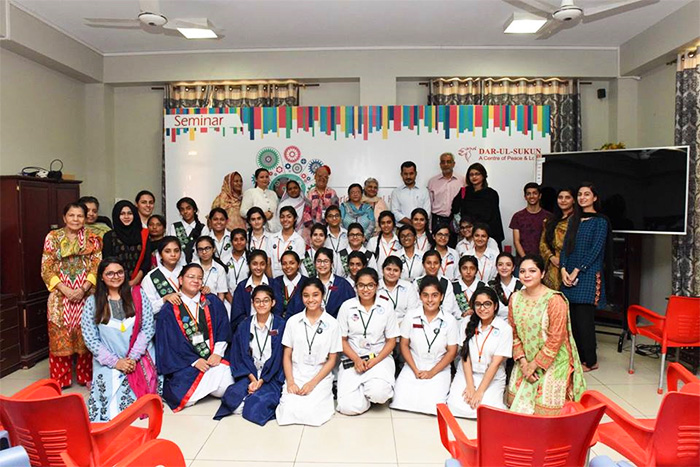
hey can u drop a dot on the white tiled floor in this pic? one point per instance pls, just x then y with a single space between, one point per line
381 437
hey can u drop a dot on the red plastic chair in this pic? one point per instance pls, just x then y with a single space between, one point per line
48 426
157 452
671 439
510 438
677 372
679 328
37 390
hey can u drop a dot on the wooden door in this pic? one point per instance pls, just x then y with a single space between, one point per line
35 208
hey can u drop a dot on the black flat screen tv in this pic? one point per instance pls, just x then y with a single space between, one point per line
640 190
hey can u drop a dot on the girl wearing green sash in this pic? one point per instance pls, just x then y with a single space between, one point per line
548 372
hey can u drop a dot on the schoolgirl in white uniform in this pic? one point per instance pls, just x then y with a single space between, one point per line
402 294
217 231
386 243
238 266
161 284
419 220
356 262
449 257
356 236
337 239
188 228
432 264
214 279
504 284
311 344
466 238
487 342
258 236
411 257
369 330
288 239
317 238
429 339
466 285
486 256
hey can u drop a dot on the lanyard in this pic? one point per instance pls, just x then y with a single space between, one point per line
410 268
425 240
483 270
259 246
288 295
391 248
334 245
257 341
233 266
279 240
328 294
175 286
476 340
306 332
437 333
204 282
444 268
365 326
466 293
394 301
223 243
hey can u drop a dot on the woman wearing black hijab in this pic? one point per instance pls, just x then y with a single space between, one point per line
480 202
128 242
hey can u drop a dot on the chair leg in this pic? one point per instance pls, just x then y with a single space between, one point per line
660 389
678 354
633 350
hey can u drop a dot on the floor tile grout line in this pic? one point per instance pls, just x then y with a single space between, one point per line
296 454
205 441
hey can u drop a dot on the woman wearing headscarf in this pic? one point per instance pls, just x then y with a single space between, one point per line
128 242
294 197
321 197
370 197
230 200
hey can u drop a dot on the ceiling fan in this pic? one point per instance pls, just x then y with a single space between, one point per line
151 20
568 14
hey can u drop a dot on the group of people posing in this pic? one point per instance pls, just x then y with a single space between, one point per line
278 307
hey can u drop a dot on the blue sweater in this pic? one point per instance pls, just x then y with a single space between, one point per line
588 256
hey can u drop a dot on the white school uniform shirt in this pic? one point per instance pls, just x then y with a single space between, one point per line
150 290
338 265
412 267
468 291
214 277
422 243
192 304
449 267
487 265
496 339
237 272
508 291
464 245
386 248
188 227
311 344
404 200
249 283
291 284
367 331
260 340
223 248
429 340
278 246
403 297
449 302
337 242
262 243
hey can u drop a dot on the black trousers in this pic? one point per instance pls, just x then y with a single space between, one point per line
583 329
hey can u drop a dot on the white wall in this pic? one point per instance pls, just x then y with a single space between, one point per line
595 115
41 117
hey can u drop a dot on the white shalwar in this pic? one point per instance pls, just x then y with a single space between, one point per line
149 287
403 297
428 344
494 340
278 245
367 333
311 345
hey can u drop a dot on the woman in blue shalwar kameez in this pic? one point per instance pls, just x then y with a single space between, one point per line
109 319
256 363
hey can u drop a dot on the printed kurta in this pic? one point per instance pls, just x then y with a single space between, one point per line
542 333
552 275
71 262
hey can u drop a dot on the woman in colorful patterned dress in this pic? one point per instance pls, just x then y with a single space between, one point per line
552 240
547 370
230 200
118 328
69 268
321 197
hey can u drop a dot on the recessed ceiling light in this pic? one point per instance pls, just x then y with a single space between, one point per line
197 33
520 23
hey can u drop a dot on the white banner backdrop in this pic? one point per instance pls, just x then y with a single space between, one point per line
356 142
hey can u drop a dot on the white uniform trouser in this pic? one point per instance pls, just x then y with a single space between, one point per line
493 396
356 392
214 382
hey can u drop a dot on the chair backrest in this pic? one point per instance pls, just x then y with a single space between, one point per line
44 428
512 439
683 319
676 440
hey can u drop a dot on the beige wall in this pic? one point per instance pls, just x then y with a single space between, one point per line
41 117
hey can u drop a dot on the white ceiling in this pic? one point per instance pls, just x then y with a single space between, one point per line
309 24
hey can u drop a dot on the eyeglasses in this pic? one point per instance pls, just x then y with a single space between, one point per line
323 261
113 274
370 286
355 234
333 216
194 278
205 249
483 305
406 236
262 301
442 234
465 227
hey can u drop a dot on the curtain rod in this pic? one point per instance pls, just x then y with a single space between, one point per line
305 85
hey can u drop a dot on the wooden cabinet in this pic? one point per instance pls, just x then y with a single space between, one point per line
29 209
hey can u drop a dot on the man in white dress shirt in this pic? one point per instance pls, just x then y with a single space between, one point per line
406 198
